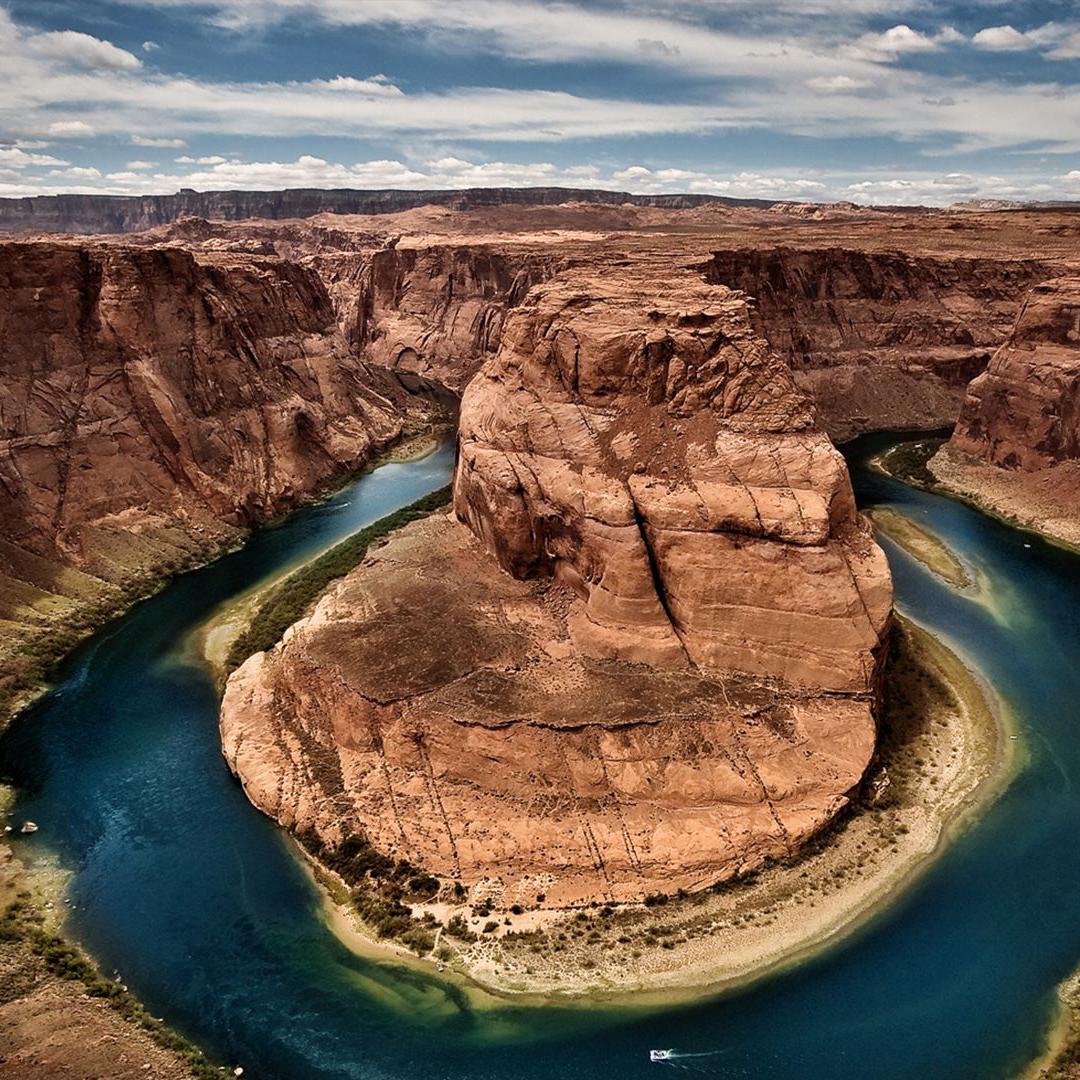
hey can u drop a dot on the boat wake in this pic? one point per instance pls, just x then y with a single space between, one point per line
683 1059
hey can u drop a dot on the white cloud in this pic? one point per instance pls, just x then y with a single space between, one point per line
1067 49
82 50
837 84
70 129
213 159
141 166
1002 39
157 144
891 44
150 46
14 157
78 172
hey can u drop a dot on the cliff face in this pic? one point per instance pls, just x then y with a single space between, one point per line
1024 411
148 379
880 340
435 312
151 402
675 679
636 439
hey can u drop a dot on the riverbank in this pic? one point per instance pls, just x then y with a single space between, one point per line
57 1011
943 754
1044 502
217 640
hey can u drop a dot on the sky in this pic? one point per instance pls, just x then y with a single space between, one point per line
872 101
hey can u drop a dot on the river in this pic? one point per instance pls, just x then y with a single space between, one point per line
197 900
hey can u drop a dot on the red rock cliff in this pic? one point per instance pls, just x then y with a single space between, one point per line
1023 412
880 339
636 439
152 380
675 680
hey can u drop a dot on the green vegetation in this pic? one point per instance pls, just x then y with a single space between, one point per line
288 601
22 923
908 461
380 886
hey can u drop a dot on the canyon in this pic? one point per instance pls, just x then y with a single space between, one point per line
643 654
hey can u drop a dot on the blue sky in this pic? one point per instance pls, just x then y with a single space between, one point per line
876 101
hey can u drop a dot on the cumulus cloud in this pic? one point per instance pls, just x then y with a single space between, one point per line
891 44
70 129
157 144
1002 39
82 50
14 157
78 172
837 84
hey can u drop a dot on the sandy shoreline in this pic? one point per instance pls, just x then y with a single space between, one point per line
942 767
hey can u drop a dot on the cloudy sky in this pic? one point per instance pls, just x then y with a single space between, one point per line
884 101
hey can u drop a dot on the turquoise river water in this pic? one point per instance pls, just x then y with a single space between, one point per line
196 899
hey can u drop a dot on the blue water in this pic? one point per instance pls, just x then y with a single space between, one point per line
194 897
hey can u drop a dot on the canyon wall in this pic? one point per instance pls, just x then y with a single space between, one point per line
1023 412
434 311
880 340
1016 448
646 656
153 403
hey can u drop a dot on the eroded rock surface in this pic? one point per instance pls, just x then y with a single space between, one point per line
650 660
880 339
437 705
1024 411
635 438
1016 448
152 403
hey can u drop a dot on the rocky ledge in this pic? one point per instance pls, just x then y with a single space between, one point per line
645 656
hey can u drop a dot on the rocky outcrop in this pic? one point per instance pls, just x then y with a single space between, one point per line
649 661
1024 411
439 706
150 380
638 441
1016 448
880 340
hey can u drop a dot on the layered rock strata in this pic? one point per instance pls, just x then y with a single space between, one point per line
153 403
1016 447
647 658
880 340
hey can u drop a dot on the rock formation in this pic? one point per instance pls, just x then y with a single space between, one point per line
674 679
132 213
880 339
1016 448
434 311
1024 411
151 380
151 403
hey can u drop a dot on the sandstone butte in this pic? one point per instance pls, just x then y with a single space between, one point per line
642 653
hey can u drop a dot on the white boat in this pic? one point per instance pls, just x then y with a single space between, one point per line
660 1055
